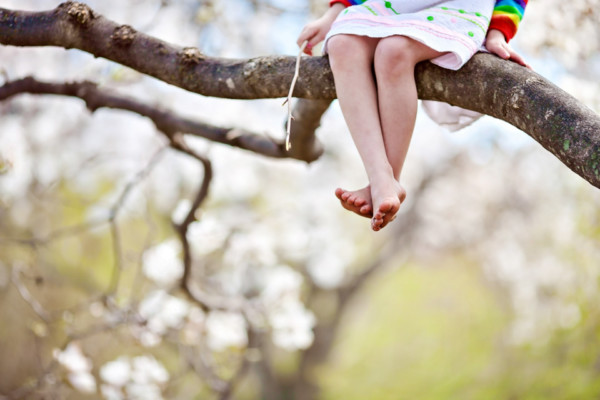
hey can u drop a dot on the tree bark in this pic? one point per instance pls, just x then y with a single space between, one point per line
487 84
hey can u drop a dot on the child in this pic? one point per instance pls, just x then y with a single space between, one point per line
373 47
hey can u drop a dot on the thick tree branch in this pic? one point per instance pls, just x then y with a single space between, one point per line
306 119
507 91
486 84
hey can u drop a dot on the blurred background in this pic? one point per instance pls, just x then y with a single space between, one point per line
485 287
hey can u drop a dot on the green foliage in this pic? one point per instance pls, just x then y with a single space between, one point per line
424 332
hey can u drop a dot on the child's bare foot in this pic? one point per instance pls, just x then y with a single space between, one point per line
357 201
387 197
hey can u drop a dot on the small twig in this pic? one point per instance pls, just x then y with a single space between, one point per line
288 145
114 228
118 258
140 176
201 366
137 282
26 295
179 144
55 235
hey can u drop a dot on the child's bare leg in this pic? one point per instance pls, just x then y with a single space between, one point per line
351 59
395 61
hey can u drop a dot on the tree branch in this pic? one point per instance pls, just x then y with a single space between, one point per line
486 84
306 119
171 124
507 91
182 228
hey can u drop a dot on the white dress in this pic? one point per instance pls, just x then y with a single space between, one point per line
457 28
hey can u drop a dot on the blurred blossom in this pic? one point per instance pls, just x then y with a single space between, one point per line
162 264
84 182
83 381
146 369
146 337
585 90
137 391
570 29
165 185
47 170
206 235
240 183
181 211
294 239
141 377
72 358
79 367
111 393
327 270
292 325
163 311
225 329
280 282
254 248
117 372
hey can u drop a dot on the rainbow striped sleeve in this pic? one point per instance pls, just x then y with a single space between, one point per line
507 16
347 3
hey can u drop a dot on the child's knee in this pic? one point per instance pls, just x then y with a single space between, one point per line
349 49
338 46
394 55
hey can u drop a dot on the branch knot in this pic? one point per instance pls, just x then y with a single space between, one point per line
80 12
123 35
191 56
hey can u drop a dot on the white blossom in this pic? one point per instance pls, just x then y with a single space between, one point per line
181 211
79 367
280 282
162 263
140 377
162 312
252 248
327 269
73 359
292 325
206 235
110 392
225 329
82 381
137 391
117 372
147 369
